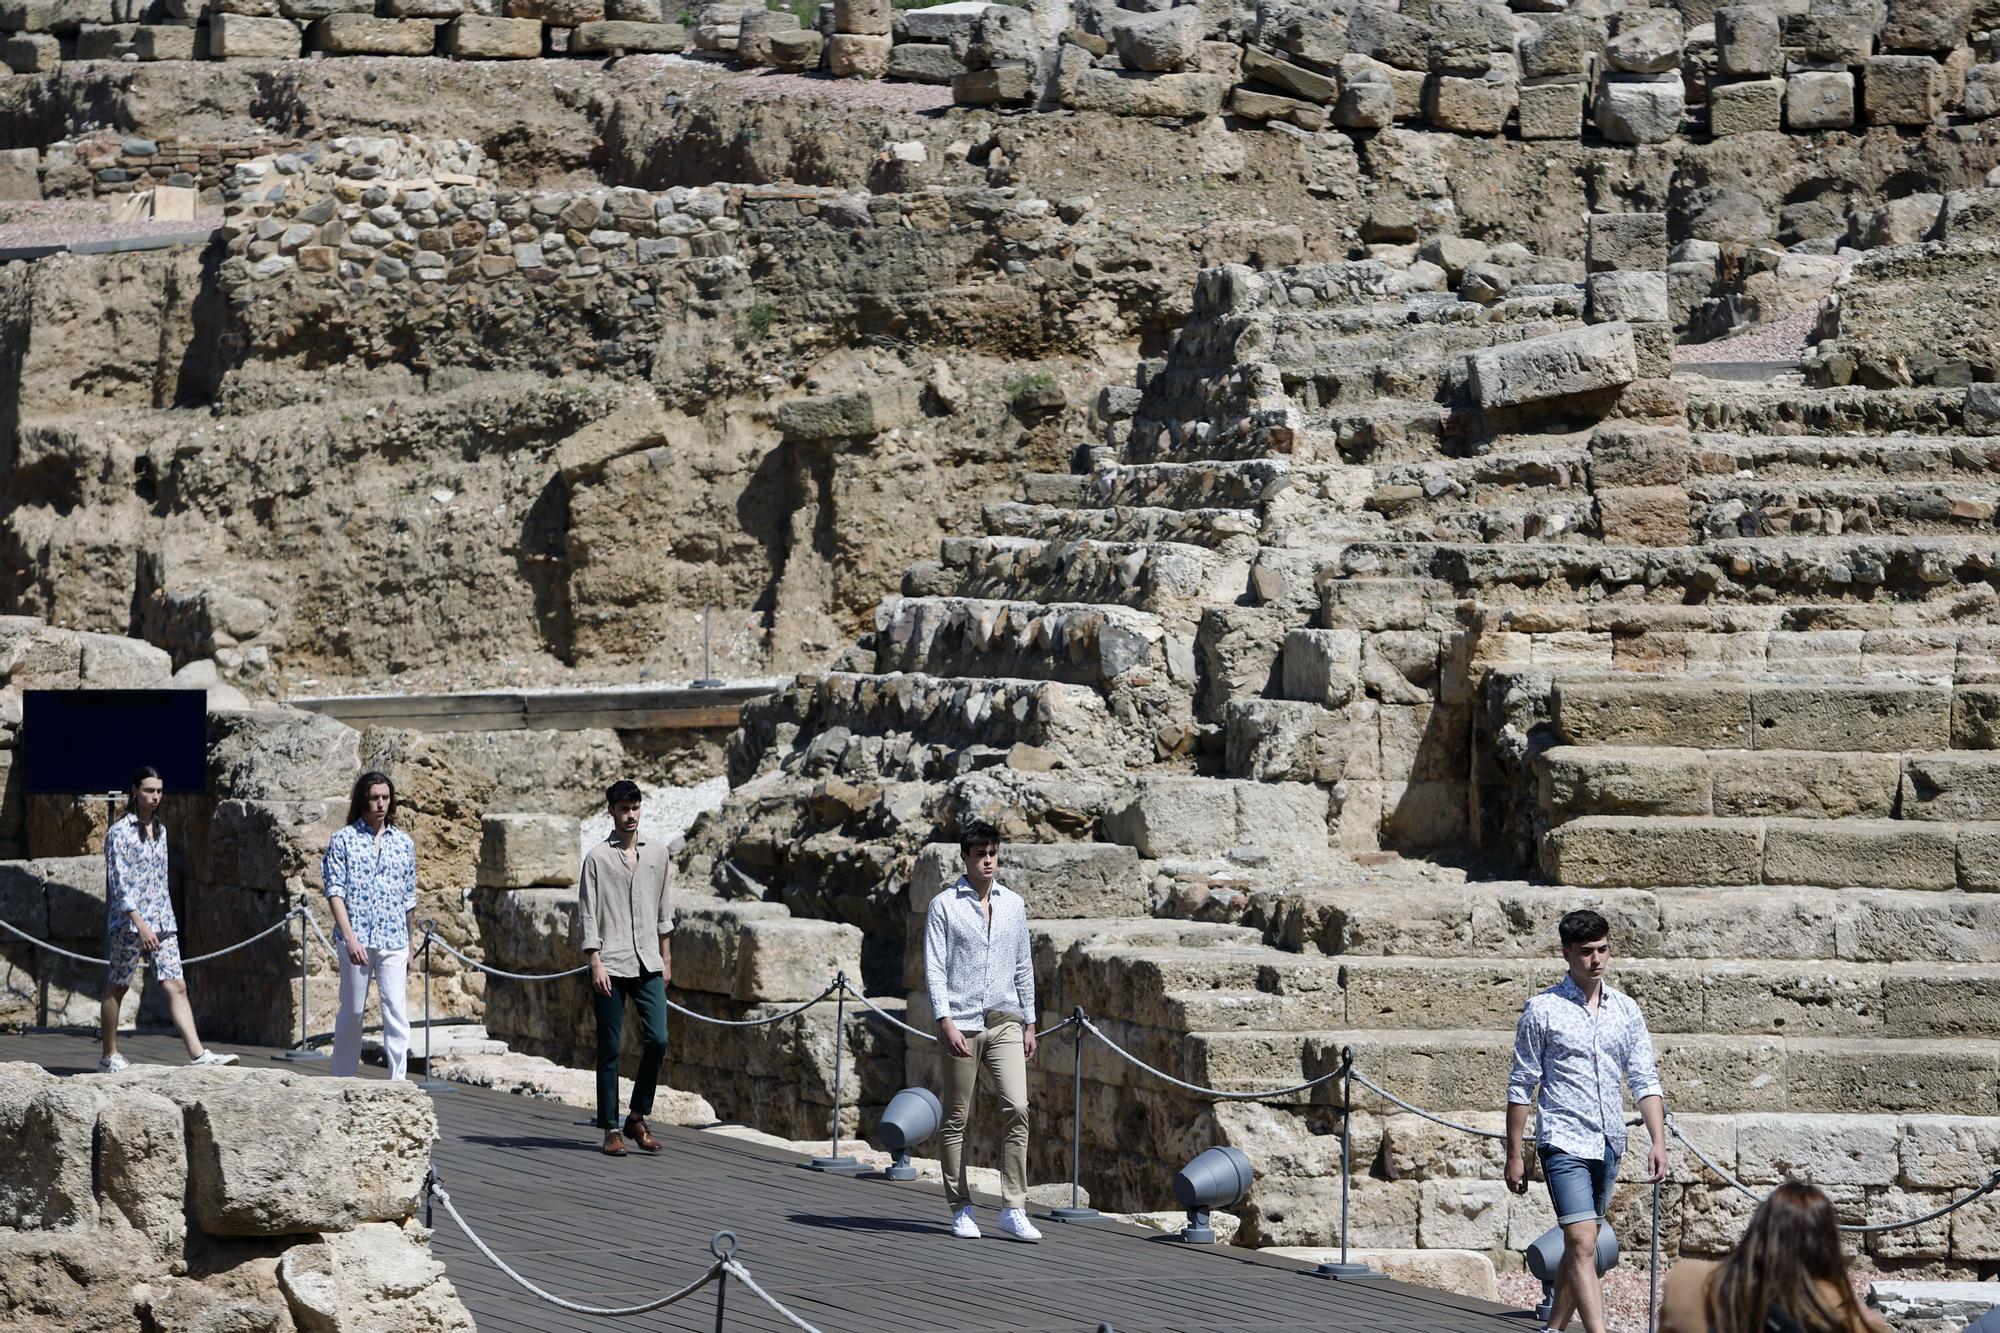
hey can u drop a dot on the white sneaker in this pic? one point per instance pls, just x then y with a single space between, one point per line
1014 1225
112 1063
213 1058
962 1225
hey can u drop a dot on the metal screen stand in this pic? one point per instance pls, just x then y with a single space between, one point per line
302 1051
1346 1270
430 1085
1076 1212
836 1161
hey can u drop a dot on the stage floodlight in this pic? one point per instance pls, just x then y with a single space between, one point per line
1216 1178
912 1116
1544 1255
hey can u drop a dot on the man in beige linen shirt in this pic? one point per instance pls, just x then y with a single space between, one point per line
626 920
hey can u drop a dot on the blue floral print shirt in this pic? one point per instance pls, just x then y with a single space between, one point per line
1580 1063
135 878
378 877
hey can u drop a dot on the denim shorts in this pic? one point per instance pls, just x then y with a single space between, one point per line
1579 1187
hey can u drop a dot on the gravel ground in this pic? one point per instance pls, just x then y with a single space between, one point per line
665 812
1624 1293
1780 340
69 232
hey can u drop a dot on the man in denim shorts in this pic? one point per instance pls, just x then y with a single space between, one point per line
1577 1045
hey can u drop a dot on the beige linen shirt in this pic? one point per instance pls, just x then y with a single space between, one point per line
622 909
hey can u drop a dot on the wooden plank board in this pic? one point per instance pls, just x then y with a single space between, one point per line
848 1255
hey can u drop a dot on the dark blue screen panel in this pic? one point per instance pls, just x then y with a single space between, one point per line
82 741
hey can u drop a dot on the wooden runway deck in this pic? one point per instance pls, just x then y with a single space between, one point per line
848 1255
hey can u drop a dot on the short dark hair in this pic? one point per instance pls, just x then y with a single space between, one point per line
622 791
1583 927
978 833
357 800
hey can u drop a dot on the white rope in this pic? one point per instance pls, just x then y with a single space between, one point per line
1196 1088
320 935
742 1274
1386 1095
880 1012
439 1192
754 1022
1992 1183
439 940
279 924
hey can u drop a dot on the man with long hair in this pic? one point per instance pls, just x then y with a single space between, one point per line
626 919
370 874
139 921
1787 1275
1578 1044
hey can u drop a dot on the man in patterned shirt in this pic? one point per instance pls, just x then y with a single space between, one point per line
981 978
140 921
370 874
1578 1044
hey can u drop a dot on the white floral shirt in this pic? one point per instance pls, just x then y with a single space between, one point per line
1579 1063
378 878
970 968
135 878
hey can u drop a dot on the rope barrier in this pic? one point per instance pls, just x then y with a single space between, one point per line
880 1012
443 1196
277 925
754 1022
490 970
1198 1089
1434 1118
736 1270
320 935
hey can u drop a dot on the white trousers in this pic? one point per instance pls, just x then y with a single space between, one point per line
387 968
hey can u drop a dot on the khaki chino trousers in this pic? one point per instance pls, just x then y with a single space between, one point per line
1000 1053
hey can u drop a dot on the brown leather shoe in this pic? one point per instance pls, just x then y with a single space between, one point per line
635 1129
614 1143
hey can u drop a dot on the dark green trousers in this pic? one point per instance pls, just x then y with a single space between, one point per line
649 996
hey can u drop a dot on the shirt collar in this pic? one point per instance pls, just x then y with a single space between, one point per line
611 840
1569 990
964 888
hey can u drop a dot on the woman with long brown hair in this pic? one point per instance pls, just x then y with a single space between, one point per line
1787 1275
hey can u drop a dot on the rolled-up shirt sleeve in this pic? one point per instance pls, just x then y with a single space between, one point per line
666 913
410 876
586 907
333 868
937 936
1526 1077
1642 1074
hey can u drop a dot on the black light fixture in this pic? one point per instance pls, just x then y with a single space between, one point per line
1216 1178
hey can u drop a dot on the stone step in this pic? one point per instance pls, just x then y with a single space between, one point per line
1647 851
1168 578
1884 717
1746 409
1231 532
1930 786
1911 569
1161 485
1516 920
1077 643
1159 815
1452 1070
1720 454
1829 507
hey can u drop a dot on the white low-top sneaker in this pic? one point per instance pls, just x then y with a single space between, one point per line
112 1063
1014 1225
213 1058
962 1225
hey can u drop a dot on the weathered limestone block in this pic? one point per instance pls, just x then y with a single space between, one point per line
1835 1074
1636 113
53 15
519 850
1367 101
1751 106
1903 90
142 1164
1925 25
556 13
1790 783
1645 852
753 35
50 1125
1274 740
1309 85
1622 780
281 755
1945 1152
1186 96
993 86
388 1279
866 17
612 36
1462 1214
1250 104
1163 42
364 34
1468 105
1638 297
1643 515
1614 241
273 846
1705 716
1746 40
1850 717
1555 365
1176 816
796 51
1823 1149
1951 786
1981 99
1322 666
478 37
793 958
854 56
239 37
1624 454
858 414
1647 42
1551 110
1890 854
1819 100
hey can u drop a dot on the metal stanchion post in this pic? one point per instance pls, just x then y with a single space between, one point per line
1653 1273
1076 1212
1346 1270
430 1085
723 1246
836 1161
303 1051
